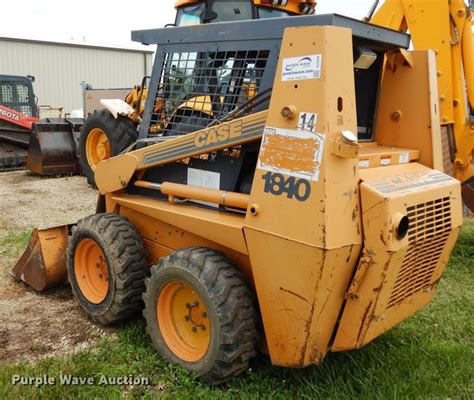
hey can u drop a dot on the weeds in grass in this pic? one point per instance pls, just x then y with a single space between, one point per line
11 245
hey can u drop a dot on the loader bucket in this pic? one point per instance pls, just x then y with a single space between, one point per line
43 263
53 147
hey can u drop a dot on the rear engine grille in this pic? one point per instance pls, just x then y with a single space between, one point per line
430 225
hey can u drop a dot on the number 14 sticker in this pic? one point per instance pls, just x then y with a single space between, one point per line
307 121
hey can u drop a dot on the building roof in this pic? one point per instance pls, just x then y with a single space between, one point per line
133 48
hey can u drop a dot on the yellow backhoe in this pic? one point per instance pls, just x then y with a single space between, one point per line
447 28
319 199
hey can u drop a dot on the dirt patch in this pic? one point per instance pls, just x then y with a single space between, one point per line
28 201
34 325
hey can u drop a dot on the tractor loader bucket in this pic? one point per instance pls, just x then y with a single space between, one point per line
43 263
53 147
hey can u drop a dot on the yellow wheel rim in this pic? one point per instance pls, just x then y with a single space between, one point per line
183 321
90 268
97 147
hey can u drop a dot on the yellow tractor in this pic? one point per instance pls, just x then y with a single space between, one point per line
108 132
317 200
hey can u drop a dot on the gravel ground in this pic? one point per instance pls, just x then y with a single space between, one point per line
34 325
28 201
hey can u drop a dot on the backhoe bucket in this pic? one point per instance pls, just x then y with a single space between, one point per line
43 263
53 147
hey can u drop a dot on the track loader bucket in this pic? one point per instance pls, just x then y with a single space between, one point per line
43 263
53 147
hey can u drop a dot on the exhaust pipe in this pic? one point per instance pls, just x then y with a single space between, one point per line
371 13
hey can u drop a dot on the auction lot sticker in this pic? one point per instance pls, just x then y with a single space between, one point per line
292 152
301 68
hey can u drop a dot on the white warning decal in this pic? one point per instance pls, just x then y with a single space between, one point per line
404 158
301 68
364 163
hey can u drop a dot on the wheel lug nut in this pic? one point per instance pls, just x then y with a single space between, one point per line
196 304
186 317
188 305
204 315
194 329
203 328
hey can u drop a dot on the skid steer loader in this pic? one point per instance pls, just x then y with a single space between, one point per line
18 112
45 147
293 205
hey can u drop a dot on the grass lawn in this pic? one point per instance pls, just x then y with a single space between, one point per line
431 355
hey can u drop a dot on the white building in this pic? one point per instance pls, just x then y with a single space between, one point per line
60 68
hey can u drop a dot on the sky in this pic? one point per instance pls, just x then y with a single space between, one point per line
110 22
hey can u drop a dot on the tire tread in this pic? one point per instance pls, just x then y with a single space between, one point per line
128 259
233 299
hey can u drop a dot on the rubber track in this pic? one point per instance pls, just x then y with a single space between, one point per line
12 158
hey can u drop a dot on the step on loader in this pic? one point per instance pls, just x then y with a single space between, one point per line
318 201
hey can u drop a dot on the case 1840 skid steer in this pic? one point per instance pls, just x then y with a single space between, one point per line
289 206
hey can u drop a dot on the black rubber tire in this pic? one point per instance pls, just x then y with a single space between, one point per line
230 305
126 262
186 122
121 133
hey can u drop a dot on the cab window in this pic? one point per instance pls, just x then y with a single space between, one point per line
190 15
265 12
232 10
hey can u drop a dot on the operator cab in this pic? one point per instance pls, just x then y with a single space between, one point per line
16 93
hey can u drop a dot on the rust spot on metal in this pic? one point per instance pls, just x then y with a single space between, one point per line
307 330
317 356
350 253
363 318
294 294
383 239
